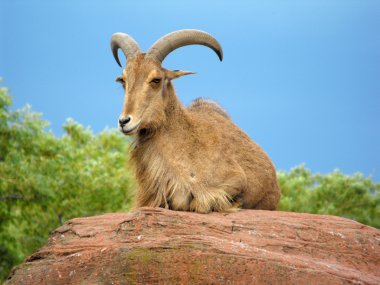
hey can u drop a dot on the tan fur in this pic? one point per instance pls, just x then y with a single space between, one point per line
195 158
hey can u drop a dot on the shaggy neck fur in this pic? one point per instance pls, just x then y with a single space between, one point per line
156 177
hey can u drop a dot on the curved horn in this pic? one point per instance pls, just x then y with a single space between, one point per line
165 45
126 43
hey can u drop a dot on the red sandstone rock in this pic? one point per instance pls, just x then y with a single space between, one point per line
158 246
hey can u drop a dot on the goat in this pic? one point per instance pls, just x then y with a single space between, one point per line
187 159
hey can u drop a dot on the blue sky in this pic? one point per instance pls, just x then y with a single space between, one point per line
302 78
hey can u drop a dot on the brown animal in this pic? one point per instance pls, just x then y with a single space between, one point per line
189 159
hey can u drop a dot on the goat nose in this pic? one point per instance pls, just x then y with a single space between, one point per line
124 120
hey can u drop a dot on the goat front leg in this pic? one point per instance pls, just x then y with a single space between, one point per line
210 199
145 198
226 197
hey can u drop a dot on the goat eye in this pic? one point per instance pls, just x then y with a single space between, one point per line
156 80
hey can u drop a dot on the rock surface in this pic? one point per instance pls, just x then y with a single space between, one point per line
158 246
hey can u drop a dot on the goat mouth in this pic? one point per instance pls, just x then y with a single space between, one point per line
130 130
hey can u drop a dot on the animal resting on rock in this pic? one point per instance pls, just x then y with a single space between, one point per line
189 159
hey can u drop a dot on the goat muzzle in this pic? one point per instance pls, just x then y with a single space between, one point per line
124 120
127 125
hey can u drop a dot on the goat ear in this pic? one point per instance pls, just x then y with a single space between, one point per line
173 74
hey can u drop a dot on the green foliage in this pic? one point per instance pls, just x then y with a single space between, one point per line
354 197
45 180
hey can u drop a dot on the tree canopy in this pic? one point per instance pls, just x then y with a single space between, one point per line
46 180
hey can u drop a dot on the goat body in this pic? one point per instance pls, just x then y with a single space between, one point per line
201 161
189 159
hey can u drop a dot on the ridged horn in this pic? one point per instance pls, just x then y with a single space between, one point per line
165 45
127 44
